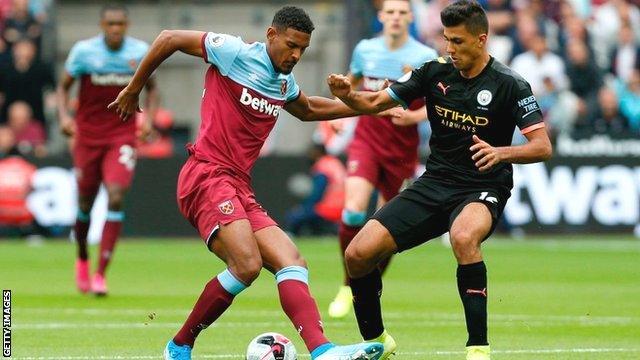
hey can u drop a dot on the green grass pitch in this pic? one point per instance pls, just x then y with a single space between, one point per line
563 298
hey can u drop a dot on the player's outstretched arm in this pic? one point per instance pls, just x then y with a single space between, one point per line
316 108
67 125
167 43
538 148
363 101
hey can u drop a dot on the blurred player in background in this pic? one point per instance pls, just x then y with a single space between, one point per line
246 87
104 147
382 154
474 104
320 211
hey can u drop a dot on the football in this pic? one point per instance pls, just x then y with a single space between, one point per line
271 346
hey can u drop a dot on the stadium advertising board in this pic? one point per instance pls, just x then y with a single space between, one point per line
567 195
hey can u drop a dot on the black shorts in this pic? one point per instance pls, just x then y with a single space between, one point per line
428 207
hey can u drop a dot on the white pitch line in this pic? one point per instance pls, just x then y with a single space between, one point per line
271 324
387 315
415 353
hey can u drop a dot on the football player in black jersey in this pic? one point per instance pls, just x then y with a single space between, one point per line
473 104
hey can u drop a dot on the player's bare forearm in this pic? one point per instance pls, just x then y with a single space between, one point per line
361 101
368 102
67 125
322 108
62 95
317 108
537 149
167 43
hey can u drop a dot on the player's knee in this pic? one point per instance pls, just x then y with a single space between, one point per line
465 244
247 270
358 263
353 218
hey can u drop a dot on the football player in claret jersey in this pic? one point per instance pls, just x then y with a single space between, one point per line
473 104
245 88
103 148
381 155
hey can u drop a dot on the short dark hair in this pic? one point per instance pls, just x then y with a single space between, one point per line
114 7
466 12
292 17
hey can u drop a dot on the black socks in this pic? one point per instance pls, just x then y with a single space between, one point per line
366 303
472 286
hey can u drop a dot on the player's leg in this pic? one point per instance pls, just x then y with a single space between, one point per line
209 201
392 178
117 165
235 244
358 192
472 223
405 222
112 226
281 257
86 161
383 265
371 245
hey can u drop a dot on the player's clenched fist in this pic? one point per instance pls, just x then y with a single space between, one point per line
339 85
126 104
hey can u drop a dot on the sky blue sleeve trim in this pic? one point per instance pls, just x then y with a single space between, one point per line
293 273
396 98
115 216
230 283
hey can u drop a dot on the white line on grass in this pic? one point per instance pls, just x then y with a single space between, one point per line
271 324
388 314
416 353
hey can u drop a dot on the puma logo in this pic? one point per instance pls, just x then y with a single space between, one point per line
443 88
482 292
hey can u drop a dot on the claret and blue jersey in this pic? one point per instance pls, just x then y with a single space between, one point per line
103 73
374 62
242 98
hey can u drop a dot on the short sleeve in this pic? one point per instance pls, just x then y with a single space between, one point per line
356 66
221 50
410 86
144 49
293 90
525 108
74 65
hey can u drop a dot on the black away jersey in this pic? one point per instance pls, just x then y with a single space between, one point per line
490 105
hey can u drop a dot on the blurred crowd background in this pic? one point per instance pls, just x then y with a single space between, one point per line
581 57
